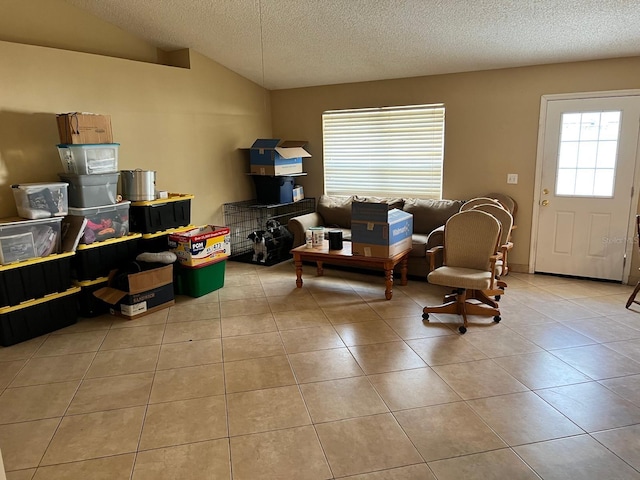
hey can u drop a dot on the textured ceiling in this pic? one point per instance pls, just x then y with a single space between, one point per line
297 43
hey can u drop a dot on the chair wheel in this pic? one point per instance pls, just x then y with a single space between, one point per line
425 316
497 319
462 329
497 297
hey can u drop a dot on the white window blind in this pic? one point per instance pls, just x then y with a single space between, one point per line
390 151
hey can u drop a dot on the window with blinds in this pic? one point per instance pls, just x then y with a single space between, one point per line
389 151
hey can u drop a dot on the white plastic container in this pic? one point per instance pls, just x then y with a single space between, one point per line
41 200
317 236
89 159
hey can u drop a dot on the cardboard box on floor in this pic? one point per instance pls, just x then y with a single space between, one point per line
377 231
84 128
149 291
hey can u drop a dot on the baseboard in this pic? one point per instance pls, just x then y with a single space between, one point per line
519 267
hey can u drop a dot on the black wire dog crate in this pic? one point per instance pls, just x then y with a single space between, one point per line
246 217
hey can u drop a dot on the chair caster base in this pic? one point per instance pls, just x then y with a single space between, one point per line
425 316
462 330
497 319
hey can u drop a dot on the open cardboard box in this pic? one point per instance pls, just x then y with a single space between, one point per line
270 156
149 291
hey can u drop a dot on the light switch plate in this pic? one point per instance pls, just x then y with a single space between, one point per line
512 178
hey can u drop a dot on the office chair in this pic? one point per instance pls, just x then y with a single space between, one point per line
471 241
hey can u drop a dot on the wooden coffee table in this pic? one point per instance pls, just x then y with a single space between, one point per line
322 255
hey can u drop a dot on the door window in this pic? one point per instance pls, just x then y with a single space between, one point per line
587 154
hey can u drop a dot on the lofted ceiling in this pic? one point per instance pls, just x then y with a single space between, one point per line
297 43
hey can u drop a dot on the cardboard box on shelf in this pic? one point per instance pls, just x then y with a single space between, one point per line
270 156
84 128
201 245
147 292
377 231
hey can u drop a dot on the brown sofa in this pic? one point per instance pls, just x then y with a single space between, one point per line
428 215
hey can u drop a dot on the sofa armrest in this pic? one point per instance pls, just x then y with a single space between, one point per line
300 224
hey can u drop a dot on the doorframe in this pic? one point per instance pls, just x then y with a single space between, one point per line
631 224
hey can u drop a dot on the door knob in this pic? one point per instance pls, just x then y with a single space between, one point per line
544 203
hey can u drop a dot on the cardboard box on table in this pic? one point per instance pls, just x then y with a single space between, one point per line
84 128
270 156
377 231
149 291
201 245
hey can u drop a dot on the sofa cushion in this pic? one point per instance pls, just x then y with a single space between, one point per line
335 211
430 214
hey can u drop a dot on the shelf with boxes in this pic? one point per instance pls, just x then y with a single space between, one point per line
274 166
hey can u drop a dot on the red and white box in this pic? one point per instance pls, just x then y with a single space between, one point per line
201 245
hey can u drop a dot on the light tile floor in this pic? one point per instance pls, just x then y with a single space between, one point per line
261 380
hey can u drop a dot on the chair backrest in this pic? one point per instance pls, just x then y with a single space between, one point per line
503 216
470 238
506 201
469 204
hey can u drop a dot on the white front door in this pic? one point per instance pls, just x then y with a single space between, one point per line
588 165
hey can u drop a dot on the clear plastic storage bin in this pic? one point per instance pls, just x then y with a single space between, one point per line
89 159
91 190
41 200
105 222
22 240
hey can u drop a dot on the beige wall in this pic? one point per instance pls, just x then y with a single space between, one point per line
58 24
187 124
491 123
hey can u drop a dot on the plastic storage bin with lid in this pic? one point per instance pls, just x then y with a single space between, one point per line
25 239
41 200
89 159
91 190
105 222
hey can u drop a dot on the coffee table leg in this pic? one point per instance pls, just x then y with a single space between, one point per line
388 280
298 264
403 270
320 269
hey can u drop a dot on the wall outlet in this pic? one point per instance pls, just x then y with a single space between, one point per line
512 178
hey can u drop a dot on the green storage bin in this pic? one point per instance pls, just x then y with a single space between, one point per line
200 280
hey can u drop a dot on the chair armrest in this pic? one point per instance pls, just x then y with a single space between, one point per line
300 224
492 261
504 250
436 237
431 255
